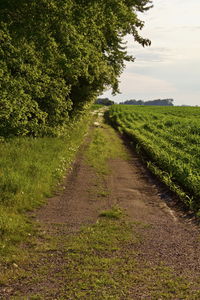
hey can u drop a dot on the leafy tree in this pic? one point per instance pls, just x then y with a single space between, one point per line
56 57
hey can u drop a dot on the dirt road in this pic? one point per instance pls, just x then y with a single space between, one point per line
166 254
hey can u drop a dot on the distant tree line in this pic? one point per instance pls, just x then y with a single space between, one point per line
56 57
160 102
104 101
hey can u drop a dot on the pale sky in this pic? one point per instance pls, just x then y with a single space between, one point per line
170 67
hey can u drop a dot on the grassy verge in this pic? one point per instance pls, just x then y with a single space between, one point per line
30 169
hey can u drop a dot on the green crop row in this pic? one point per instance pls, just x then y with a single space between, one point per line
170 139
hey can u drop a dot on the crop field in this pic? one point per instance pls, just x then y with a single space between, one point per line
169 139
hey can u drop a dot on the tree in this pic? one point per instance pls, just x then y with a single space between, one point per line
104 101
160 102
58 56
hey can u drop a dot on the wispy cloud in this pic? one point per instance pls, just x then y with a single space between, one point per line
153 55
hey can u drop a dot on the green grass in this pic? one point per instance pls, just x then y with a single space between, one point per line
97 106
114 213
169 140
30 171
105 145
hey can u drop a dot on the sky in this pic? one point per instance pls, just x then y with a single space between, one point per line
170 67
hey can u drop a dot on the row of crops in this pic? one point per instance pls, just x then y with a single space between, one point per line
169 139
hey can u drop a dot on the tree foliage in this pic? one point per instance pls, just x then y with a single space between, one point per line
159 102
104 101
57 56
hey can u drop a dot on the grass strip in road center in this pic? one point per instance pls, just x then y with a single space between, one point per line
105 145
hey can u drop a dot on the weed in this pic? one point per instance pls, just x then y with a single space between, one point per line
102 193
114 213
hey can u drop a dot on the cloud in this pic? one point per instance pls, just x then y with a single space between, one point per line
137 83
153 55
183 73
173 13
170 67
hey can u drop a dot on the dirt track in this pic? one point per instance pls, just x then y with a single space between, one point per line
171 238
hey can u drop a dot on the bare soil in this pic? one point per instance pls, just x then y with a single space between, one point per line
171 238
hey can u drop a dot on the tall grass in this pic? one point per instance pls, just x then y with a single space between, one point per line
30 170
